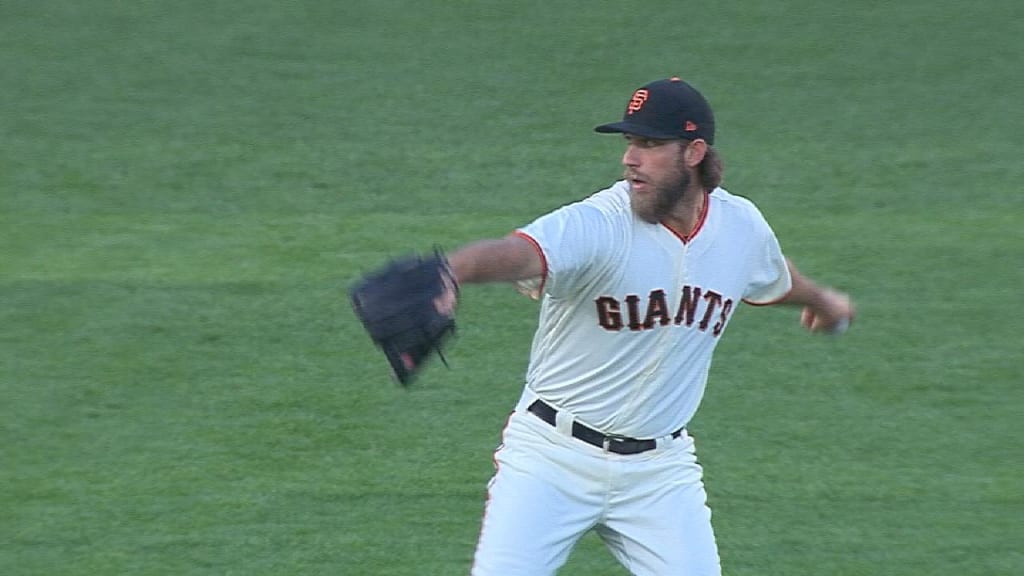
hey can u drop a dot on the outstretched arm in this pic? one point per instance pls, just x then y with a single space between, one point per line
824 309
501 260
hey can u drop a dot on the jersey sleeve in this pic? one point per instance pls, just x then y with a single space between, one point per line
574 241
769 278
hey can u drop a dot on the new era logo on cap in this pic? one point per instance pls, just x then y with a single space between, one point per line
666 109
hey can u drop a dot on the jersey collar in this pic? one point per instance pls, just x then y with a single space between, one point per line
687 238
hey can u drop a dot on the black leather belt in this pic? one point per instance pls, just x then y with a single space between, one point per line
616 444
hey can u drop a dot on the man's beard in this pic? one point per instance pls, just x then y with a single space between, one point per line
662 200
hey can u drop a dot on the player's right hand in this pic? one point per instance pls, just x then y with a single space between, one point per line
833 314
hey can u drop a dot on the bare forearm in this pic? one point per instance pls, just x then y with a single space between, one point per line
498 260
824 309
804 291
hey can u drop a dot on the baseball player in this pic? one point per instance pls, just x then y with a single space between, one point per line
637 284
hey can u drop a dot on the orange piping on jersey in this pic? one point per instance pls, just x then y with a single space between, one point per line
686 238
778 300
543 259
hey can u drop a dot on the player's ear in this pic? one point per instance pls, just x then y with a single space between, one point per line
694 152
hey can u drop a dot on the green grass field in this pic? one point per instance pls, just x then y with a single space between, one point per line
187 189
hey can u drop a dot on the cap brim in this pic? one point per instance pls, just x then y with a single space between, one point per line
638 129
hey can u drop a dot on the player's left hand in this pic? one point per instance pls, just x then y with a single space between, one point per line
831 314
408 308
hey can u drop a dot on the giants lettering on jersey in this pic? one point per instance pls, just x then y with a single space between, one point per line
694 305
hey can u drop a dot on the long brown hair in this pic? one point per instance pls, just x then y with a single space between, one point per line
711 169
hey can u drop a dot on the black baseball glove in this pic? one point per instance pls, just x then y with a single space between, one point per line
408 307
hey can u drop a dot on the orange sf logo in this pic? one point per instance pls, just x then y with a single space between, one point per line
637 101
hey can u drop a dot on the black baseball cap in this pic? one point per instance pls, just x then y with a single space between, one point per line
666 109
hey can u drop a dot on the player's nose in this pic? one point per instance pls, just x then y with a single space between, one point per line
630 157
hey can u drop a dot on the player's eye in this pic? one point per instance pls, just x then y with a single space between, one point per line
641 142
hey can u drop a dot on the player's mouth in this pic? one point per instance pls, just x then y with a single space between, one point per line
636 183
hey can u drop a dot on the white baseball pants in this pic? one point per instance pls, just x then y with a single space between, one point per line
550 489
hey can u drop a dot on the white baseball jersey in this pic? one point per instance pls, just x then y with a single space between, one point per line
632 311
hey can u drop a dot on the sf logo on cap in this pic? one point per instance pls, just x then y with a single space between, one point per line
637 101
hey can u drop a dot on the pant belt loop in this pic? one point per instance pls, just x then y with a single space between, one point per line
563 422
